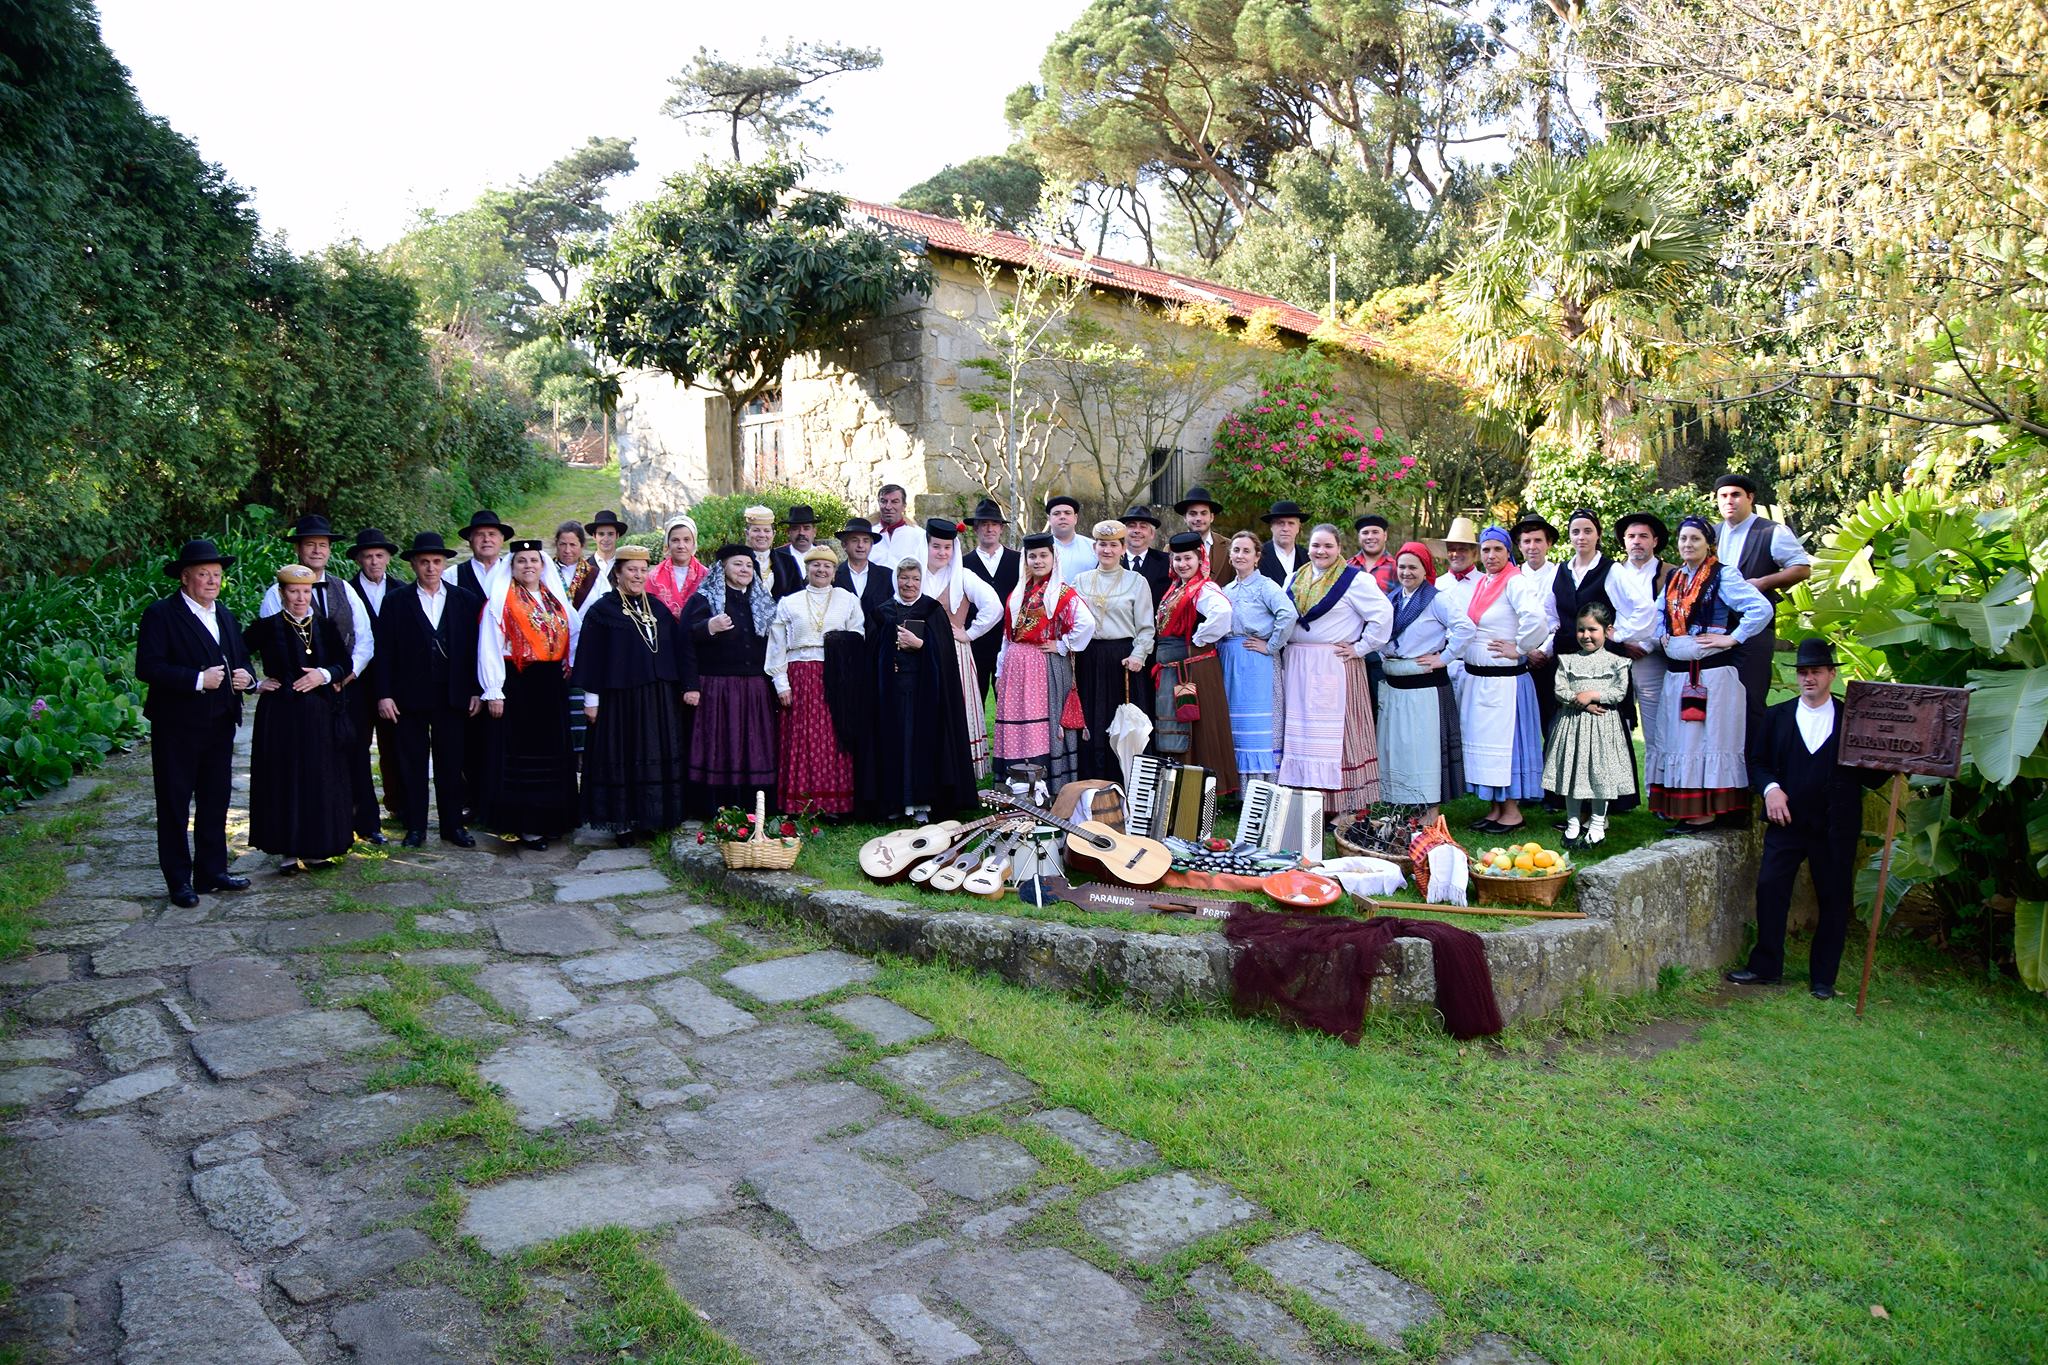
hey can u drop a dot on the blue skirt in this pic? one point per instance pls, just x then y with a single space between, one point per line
1525 780
1248 680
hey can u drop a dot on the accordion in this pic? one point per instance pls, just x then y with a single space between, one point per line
1169 800
1281 819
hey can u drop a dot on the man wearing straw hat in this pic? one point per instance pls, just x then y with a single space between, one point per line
190 655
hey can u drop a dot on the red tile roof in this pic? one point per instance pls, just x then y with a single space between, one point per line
957 238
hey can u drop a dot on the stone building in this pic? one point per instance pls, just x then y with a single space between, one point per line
890 406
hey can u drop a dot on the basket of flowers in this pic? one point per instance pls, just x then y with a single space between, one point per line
744 840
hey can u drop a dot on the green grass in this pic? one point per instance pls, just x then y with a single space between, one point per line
570 494
1749 1194
32 859
641 1318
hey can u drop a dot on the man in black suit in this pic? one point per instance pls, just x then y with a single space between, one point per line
998 566
190 653
786 562
1141 528
372 553
1815 809
427 689
487 567
873 584
1283 554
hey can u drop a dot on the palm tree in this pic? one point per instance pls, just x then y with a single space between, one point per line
1570 298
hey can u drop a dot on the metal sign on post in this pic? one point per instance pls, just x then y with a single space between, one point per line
1899 728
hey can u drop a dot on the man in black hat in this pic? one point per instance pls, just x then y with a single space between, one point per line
1372 553
1534 538
1141 528
786 564
190 654
999 566
372 553
1281 556
1815 809
312 538
425 678
1199 511
873 585
1770 556
487 566
594 578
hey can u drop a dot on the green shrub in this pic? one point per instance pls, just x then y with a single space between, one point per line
722 520
1562 480
76 710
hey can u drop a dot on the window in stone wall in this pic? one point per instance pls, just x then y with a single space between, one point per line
1170 485
761 442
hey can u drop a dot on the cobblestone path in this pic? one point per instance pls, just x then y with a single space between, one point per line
269 1130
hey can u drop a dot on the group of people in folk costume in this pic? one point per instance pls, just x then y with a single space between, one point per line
535 687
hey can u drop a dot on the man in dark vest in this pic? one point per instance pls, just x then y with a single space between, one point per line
594 575
372 553
786 562
1772 559
1198 512
313 538
1141 556
873 584
190 654
997 565
426 684
1815 809
487 566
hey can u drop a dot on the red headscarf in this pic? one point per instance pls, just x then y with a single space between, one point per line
1421 552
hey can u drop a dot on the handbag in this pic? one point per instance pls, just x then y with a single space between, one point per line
1187 705
1692 697
1072 717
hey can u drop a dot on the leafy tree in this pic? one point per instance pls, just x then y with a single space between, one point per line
1570 299
1007 186
541 215
469 282
1360 217
730 272
772 99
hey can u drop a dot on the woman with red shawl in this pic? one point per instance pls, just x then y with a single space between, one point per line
676 578
1045 623
1193 615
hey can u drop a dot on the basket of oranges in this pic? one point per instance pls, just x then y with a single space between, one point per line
1520 874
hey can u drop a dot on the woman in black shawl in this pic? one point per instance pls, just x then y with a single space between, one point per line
921 762
732 742
638 673
296 808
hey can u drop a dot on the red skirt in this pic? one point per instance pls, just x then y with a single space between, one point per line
813 772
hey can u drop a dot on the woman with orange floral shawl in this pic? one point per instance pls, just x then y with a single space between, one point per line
1701 771
524 655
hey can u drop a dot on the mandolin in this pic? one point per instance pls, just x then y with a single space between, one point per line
889 857
1096 847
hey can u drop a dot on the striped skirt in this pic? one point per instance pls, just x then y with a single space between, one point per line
1329 741
977 712
1252 681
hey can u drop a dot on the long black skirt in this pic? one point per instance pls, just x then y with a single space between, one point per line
300 802
634 760
732 743
529 766
1101 679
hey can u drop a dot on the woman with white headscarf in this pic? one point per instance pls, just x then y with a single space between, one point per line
1494 625
525 653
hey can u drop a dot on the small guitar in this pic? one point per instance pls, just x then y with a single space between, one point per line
993 875
963 854
889 857
1095 846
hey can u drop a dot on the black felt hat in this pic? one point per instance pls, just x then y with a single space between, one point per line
1063 500
197 552
1742 481
309 526
1815 652
986 510
1038 540
1140 513
857 526
604 518
1534 523
513 547
800 514
486 518
1197 494
1185 542
731 551
941 528
1370 519
370 538
1649 519
1284 508
425 543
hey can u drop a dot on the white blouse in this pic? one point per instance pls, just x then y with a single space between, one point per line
1213 614
1515 615
1363 618
802 620
948 585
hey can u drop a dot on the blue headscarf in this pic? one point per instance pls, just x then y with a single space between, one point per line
1698 523
1507 541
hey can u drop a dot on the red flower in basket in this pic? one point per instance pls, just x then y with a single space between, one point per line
788 828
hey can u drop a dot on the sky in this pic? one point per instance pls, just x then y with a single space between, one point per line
345 119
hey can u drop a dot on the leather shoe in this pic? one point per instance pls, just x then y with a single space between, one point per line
375 836
1745 977
226 882
461 838
1823 992
538 845
1483 825
184 898
415 838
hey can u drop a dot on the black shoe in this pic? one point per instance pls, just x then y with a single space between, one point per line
225 882
414 838
1823 992
375 836
536 844
1483 825
1515 828
1745 977
626 838
291 867
461 838
184 898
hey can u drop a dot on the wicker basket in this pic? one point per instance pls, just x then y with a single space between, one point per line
1519 890
1342 832
762 851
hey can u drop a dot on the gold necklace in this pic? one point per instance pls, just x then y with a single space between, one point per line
824 607
638 612
302 629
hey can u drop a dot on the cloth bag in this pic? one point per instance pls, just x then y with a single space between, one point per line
1692 697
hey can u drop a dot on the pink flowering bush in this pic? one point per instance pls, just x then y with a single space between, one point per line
1295 439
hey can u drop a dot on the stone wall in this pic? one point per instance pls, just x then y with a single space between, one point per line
1678 903
675 446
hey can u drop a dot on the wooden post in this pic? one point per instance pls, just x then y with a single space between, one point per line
1884 872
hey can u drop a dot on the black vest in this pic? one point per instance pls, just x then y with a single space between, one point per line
330 599
1756 560
1571 597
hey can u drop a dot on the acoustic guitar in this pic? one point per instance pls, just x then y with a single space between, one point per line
889 857
993 875
1095 847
